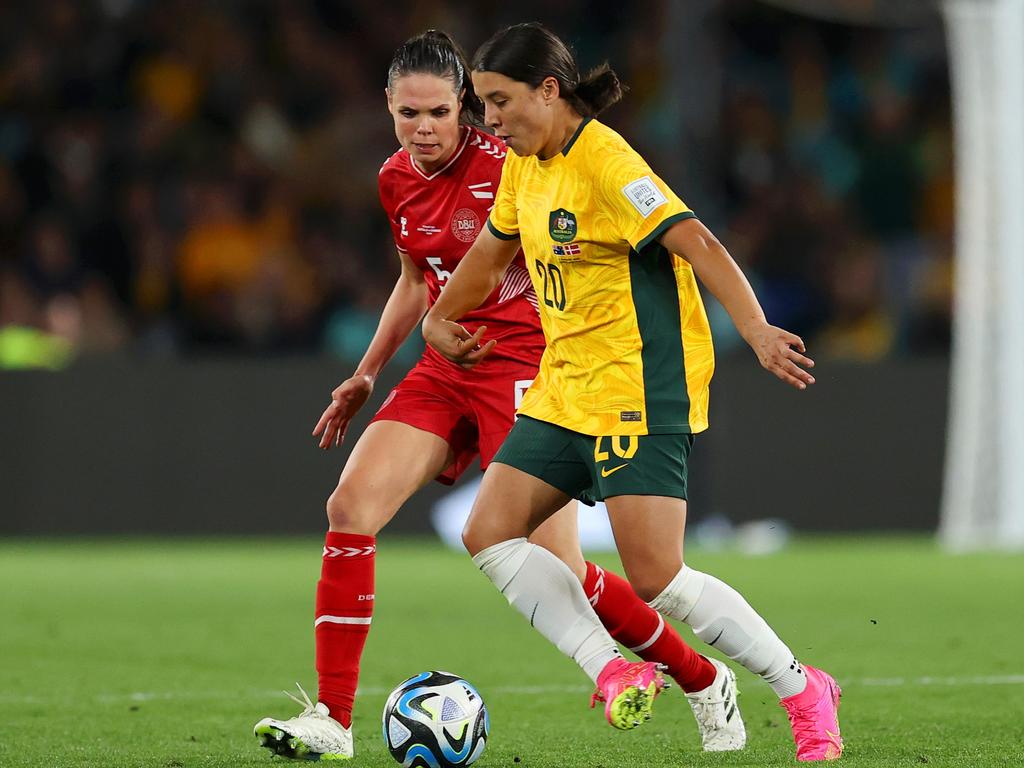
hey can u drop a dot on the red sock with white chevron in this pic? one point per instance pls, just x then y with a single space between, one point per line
344 607
641 629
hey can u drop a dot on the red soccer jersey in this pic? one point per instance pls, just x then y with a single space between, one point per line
435 218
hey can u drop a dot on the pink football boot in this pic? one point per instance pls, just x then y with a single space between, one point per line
628 691
814 716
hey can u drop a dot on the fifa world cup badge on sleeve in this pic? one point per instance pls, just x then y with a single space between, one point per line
644 195
562 225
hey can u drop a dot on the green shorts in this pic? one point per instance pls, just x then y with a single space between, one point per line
596 468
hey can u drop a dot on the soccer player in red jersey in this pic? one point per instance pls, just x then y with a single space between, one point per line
437 191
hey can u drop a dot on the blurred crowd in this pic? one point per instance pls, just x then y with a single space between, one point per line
837 160
182 178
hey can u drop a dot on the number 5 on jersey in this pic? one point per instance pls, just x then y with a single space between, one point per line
442 273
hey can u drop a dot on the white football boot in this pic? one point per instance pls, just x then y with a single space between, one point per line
718 715
311 735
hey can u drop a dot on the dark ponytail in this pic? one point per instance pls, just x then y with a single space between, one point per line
529 53
435 53
598 90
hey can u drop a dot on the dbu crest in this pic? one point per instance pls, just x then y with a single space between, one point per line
562 225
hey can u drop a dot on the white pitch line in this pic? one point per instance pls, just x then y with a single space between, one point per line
138 697
871 682
950 681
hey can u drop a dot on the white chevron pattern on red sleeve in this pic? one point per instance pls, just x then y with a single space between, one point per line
487 146
516 283
349 551
598 586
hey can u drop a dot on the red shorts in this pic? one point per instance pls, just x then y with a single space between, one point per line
472 410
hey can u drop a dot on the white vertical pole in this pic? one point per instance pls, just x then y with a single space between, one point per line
983 500
1010 97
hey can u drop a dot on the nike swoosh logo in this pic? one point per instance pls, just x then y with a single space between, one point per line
606 472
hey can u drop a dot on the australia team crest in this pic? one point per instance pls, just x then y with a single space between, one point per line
562 226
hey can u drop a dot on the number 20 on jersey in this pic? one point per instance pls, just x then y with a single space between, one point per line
554 287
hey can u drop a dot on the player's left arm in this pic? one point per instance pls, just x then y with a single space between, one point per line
781 352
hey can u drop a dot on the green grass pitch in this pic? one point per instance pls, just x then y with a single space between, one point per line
164 654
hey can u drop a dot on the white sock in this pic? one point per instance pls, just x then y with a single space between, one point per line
720 617
545 591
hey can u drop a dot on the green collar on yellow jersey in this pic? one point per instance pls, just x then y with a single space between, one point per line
576 135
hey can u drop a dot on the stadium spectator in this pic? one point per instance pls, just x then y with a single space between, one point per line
210 169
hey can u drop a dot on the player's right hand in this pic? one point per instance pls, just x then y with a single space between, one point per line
456 343
346 400
782 353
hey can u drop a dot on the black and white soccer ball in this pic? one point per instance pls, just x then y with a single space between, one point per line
435 720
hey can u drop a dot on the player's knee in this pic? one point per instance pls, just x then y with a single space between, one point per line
476 537
347 512
647 590
650 583
651 571
469 539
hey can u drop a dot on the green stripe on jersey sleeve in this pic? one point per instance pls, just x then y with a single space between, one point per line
499 234
663 227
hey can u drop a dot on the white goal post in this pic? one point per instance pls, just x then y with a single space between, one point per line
983 488
983 495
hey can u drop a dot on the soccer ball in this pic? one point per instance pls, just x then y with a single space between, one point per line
435 720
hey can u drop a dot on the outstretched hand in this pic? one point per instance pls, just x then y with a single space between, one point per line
346 401
782 353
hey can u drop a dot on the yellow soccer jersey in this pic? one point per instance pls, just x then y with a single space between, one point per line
628 343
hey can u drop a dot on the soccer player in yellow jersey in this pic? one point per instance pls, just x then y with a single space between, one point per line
623 382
